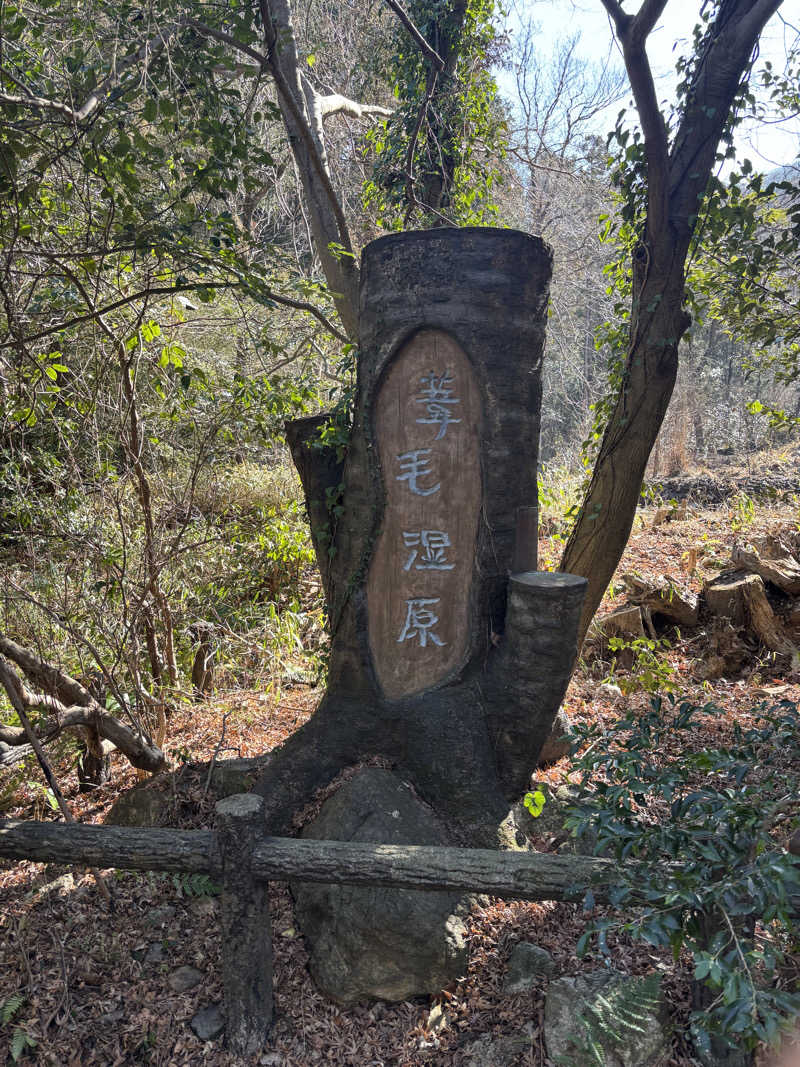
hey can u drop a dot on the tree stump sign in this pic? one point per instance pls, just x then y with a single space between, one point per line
443 663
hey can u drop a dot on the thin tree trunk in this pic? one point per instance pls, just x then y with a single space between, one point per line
605 521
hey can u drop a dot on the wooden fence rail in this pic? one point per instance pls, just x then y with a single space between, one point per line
244 861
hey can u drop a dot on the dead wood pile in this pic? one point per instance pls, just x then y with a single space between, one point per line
751 605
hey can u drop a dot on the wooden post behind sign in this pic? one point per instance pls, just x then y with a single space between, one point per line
417 555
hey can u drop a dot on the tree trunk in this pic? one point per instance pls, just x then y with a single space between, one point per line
604 523
433 667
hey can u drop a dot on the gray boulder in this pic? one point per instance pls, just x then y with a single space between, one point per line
146 804
184 979
606 1017
527 965
208 1023
380 943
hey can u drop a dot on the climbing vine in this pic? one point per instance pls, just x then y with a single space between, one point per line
436 158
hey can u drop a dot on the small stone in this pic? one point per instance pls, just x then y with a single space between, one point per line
608 689
271 1059
205 907
184 978
159 916
527 965
155 953
437 1019
112 1017
489 1051
623 1016
208 1023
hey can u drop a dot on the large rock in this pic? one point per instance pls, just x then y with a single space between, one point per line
152 802
606 1017
146 804
386 943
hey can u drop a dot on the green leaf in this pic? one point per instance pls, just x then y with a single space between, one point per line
534 802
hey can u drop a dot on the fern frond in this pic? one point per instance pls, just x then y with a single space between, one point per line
10 1007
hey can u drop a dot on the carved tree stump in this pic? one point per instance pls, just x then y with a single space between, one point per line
434 666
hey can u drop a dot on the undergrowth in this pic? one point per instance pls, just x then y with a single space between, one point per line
700 869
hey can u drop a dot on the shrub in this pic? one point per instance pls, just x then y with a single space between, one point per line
693 831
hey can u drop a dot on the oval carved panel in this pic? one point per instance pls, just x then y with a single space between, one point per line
427 425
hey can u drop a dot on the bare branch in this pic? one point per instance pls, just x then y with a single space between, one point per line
336 104
301 305
152 47
159 290
45 674
620 18
715 83
299 105
16 694
225 38
632 32
39 103
135 746
646 18
148 49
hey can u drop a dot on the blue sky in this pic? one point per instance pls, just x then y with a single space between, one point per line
767 145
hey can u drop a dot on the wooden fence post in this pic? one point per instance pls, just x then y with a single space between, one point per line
246 938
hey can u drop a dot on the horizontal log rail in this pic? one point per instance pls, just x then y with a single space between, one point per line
517 875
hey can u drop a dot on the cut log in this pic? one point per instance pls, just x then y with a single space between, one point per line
671 514
742 598
663 597
724 596
244 916
763 622
771 560
621 622
129 848
725 653
516 875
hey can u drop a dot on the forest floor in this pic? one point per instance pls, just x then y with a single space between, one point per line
97 986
